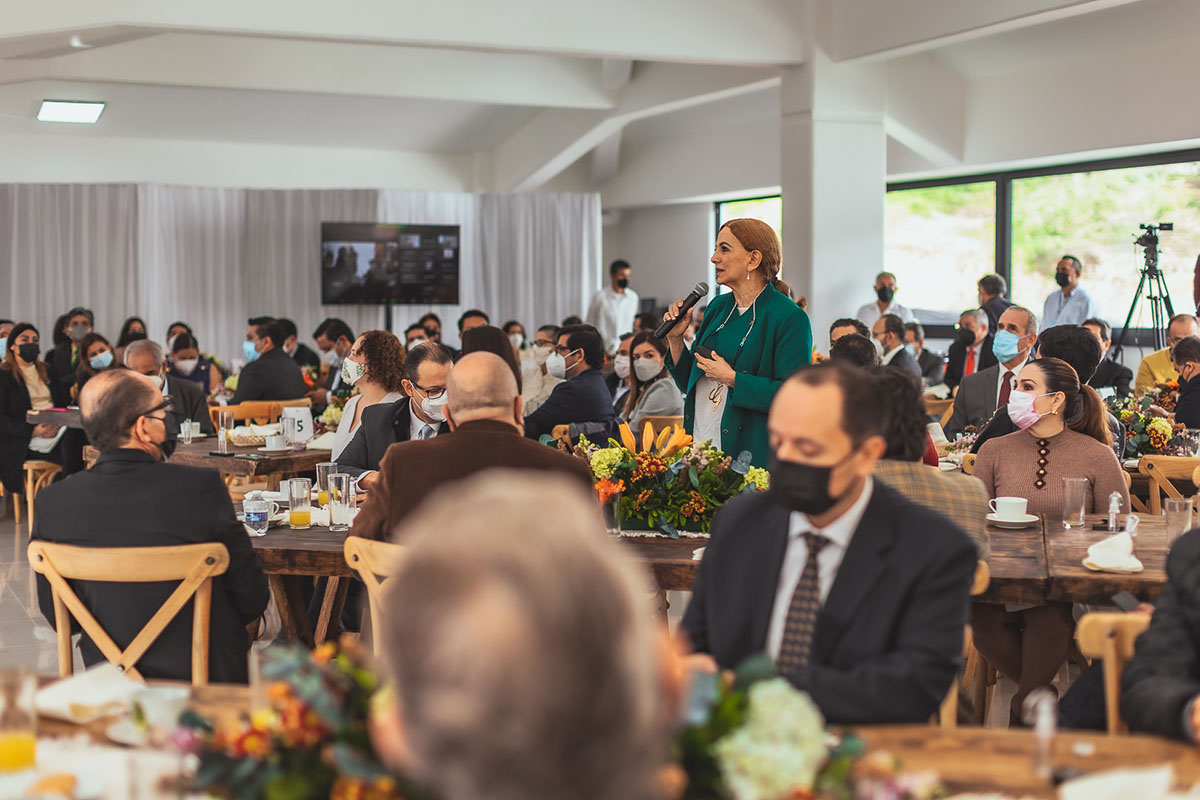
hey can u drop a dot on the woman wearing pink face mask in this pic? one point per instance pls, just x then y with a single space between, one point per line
1063 435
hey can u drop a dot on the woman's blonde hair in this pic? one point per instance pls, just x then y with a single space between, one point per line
754 234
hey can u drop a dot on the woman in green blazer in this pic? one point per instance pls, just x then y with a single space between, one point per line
757 337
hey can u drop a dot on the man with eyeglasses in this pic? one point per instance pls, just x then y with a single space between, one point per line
131 498
583 395
146 358
1157 367
420 415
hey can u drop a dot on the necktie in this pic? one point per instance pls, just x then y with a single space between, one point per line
1005 390
969 367
801 623
426 432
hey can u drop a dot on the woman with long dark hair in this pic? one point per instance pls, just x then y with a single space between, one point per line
652 391
97 357
491 339
25 385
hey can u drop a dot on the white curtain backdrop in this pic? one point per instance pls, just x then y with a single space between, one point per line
214 257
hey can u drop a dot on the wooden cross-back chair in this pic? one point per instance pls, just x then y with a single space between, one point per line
1109 636
262 412
947 716
194 565
373 560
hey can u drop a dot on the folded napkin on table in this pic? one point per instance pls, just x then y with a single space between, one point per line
1144 783
1114 554
941 391
256 430
322 442
89 695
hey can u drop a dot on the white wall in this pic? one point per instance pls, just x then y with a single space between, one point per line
668 248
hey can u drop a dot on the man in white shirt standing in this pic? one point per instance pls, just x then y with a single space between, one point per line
614 307
1069 305
885 302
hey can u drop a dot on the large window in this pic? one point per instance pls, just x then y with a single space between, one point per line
768 209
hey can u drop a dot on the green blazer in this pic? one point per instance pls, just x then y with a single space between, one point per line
779 343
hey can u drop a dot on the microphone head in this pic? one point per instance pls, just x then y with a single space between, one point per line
701 289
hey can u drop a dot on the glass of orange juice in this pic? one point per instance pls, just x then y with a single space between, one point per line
299 504
18 720
324 470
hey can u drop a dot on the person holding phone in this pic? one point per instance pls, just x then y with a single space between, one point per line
752 338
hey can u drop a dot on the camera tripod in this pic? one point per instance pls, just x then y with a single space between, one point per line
1156 292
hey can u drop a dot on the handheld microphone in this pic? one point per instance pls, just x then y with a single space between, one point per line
701 290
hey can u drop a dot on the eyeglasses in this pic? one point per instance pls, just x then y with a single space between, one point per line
565 350
543 343
432 394
168 404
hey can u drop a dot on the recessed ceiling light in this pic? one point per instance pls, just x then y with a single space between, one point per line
70 111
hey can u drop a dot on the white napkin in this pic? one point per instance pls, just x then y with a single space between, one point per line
44 444
88 695
941 391
322 442
698 554
1114 554
1144 783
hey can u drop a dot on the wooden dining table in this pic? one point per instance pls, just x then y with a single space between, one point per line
248 461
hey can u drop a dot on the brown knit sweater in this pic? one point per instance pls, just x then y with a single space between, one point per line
1008 467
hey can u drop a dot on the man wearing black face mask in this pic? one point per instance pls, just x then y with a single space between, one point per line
971 351
124 416
858 594
613 308
1069 305
884 303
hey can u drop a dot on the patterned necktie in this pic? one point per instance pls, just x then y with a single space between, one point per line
1005 390
969 369
801 623
426 432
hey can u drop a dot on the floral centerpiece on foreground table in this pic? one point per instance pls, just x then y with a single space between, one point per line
758 738
671 483
1147 433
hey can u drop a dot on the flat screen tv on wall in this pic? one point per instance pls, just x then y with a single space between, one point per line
369 263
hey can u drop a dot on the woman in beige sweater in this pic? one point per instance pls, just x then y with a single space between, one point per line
1063 435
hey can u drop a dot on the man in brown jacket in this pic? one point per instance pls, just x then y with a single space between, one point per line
483 410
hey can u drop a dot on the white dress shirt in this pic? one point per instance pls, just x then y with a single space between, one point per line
1013 380
890 354
829 560
612 313
1073 310
869 314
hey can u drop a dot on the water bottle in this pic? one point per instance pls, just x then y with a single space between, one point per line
257 513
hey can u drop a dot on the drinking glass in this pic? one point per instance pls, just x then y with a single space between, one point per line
1074 491
341 502
1178 511
299 504
291 431
18 719
185 432
225 425
324 470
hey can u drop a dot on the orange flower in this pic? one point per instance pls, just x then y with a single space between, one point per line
606 489
324 653
250 743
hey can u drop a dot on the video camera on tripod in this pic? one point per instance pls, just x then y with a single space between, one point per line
1149 239
1161 309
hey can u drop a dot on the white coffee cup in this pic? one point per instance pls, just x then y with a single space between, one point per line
160 707
276 443
1009 509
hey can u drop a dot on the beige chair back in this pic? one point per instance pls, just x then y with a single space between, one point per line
192 564
373 560
948 712
262 412
1110 636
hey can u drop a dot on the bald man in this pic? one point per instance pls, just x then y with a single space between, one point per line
484 412
132 498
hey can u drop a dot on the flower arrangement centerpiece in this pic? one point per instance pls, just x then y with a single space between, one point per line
1164 394
1148 433
759 738
311 378
331 417
312 741
670 483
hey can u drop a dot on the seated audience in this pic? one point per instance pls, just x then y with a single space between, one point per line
971 350
886 580
77 324
413 335
334 339
574 319
960 498
980 394
270 375
189 364
433 326
25 385
59 339
653 392
1080 350
582 396
889 332
296 351
375 369
1157 367
471 318
513 613
1063 435
420 414
992 289
538 383
97 357
483 411
124 415
647 321
1109 374
174 333
133 329
6 325
490 339
515 332
618 381
188 402
1185 358
856 350
842 327
931 364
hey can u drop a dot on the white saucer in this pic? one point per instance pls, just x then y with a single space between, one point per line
276 451
1013 524
125 731
948 466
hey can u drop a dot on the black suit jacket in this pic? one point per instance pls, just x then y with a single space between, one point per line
62 373
902 360
305 357
956 360
994 308
381 426
190 403
1110 373
933 367
1187 408
889 636
15 432
127 499
272 376
584 398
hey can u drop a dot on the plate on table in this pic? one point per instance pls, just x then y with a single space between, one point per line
948 466
125 731
275 451
1013 524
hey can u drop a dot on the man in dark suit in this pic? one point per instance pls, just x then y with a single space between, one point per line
270 375
483 411
420 415
146 358
335 340
888 330
1109 374
932 365
992 300
130 498
301 354
971 350
582 396
981 394
858 594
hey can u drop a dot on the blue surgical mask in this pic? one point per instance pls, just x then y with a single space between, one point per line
3 345
1006 345
101 360
912 349
249 351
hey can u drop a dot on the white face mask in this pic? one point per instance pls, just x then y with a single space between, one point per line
352 371
187 366
330 357
157 379
621 366
556 365
647 369
541 353
516 339
435 409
